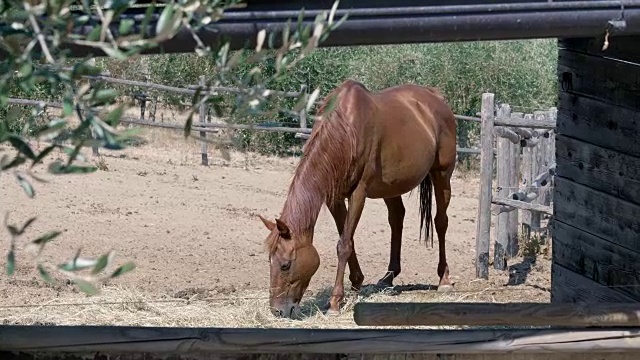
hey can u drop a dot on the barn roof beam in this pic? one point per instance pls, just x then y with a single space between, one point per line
376 25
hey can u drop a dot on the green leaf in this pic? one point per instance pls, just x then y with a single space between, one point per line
123 269
44 274
26 186
94 34
113 118
11 262
103 262
25 70
114 53
188 125
86 287
58 168
17 161
165 21
77 263
105 96
67 107
20 145
50 236
125 26
14 231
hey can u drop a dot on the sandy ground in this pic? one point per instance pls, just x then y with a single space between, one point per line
194 235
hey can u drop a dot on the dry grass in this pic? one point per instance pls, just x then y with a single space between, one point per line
201 308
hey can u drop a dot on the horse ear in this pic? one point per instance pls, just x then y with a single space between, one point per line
283 229
269 224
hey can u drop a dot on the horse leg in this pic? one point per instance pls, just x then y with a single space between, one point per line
345 245
442 189
339 212
396 211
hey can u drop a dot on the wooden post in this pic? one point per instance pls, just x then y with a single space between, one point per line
514 179
537 158
527 178
303 112
483 227
94 149
503 164
496 314
203 135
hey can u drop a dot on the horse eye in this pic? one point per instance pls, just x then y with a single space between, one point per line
285 266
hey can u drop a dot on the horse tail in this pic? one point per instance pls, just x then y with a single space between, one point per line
426 220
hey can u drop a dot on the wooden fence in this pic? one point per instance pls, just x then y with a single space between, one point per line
525 157
204 124
559 328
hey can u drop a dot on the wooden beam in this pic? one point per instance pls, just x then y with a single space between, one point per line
526 122
601 214
523 205
202 343
608 264
496 314
483 226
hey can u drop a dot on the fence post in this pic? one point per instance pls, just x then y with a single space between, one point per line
303 112
503 164
94 135
203 135
483 227
514 223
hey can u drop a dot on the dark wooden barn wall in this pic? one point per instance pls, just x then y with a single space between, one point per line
596 232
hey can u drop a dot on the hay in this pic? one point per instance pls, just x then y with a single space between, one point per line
126 307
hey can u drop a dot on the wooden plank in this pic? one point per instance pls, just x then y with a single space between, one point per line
502 221
620 47
606 263
570 287
207 341
599 78
523 205
496 314
599 123
525 122
513 241
603 215
599 168
483 227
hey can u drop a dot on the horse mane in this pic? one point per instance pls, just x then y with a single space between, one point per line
326 160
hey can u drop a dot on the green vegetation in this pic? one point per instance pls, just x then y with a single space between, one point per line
35 63
520 73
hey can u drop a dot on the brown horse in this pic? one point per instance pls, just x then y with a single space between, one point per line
372 145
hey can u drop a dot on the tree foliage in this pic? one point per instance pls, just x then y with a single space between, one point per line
36 63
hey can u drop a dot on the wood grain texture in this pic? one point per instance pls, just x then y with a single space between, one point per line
506 139
599 123
523 205
483 227
606 263
496 314
181 341
620 47
585 355
598 213
599 168
570 287
599 78
525 122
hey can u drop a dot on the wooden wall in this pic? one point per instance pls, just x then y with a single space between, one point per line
596 232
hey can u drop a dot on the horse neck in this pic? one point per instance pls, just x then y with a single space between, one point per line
306 196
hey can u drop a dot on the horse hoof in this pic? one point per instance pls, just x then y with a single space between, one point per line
332 313
445 288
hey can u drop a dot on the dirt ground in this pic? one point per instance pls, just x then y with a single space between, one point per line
193 233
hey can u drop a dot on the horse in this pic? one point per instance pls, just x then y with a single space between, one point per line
370 145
